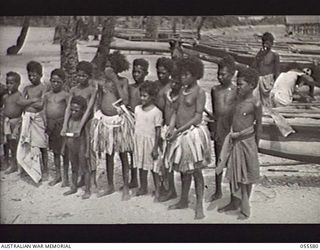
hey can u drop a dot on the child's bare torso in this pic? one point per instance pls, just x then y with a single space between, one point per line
11 108
187 106
33 91
267 64
56 104
84 92
110 95
134 96
244 114
224 100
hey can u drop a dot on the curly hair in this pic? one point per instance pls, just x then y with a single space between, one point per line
85 67
250 75
149 87
191 64
141 62
81 101
59 72
165 62
267 36
34 66
15 75
118 62
227 62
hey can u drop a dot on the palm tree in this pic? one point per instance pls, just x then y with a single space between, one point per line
152 24
68 44
13 50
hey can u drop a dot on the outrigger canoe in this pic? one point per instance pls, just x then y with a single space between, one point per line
303 145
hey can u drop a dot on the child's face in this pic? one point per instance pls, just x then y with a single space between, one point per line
163 74
34 77
145 98
243 87
224 75
187 79
12 84
56 83
266 45
138 74
76 111
82 77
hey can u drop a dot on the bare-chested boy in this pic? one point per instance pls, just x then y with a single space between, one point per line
55 104
88 92
223 100
111 130
33 127
190 139
240 149
267 63
139 73
14 104
168 94
77 146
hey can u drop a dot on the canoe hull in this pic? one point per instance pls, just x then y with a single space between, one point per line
304 145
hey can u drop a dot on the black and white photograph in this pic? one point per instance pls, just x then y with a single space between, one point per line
160 119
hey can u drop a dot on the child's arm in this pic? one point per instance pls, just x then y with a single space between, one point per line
276 66
212 104
258 119
155 152
88 111
66 115
200 103
122 87
23 102
45 102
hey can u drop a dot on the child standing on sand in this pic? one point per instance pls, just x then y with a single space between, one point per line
239 153
55 104
147 138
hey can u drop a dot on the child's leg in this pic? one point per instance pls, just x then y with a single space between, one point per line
218 177
13 145
185 187
5 162
232 205
156 180
245 206
109 168
143 174
74 176
45 173
65 179
172 194
134 173
57 164
125 175
199 186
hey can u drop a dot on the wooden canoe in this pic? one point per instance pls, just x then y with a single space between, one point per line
303 145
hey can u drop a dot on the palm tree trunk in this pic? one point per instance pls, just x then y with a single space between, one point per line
13 50
152 27
104 46
68 52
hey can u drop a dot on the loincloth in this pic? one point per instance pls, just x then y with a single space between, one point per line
11 128
264 88
111 134
54 127
190 150
239 155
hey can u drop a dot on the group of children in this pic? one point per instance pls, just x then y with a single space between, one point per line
155 126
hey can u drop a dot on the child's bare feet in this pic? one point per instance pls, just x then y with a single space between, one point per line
179 205
141 191
199 214
71 191
11 170
55 181
230 207
81 182
108 191
215 196
242 216
65 183
86 195
170 195
45 176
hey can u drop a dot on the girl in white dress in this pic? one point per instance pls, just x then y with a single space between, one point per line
147 138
